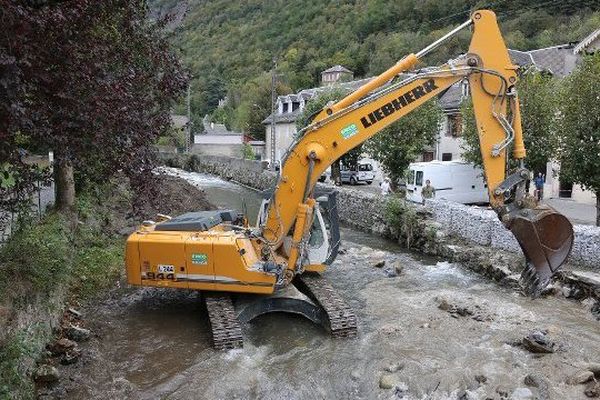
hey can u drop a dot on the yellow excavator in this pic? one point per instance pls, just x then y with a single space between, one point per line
297 236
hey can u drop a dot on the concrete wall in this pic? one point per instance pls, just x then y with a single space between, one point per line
366 211
227 150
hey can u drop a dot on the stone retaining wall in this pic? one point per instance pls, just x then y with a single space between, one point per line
366 211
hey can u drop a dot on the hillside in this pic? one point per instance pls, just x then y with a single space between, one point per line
228 43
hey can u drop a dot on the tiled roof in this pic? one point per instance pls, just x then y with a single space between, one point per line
289 117
587 41
558 60
337 68
520 58
451 98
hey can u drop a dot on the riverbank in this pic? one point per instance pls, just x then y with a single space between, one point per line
47 268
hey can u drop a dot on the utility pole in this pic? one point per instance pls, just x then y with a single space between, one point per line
188 136
273 101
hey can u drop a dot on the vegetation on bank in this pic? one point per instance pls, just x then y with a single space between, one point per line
43 264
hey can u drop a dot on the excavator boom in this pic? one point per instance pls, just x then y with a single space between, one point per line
544 235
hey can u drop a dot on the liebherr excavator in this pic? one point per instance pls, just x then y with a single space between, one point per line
296 236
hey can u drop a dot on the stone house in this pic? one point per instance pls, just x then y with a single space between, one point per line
215 139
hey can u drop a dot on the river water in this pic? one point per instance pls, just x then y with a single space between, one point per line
155 343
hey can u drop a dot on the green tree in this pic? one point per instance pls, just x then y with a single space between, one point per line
580 128
399 144
538 101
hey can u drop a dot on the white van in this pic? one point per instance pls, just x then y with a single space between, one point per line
457 181
361 172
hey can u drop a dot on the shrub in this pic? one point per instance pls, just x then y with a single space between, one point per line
39 254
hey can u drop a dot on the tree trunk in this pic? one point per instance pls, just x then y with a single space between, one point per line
598 208
336 175
65 185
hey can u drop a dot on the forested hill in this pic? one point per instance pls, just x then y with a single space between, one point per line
227 43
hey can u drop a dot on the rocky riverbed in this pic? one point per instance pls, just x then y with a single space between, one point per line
428 330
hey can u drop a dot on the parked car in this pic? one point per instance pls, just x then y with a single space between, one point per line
457 181
361 172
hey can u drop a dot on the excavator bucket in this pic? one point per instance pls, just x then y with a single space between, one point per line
546 237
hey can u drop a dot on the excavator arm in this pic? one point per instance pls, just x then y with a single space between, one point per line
545 236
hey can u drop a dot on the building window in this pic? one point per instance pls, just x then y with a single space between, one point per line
427 156
454 125
285 108
295 106
446 156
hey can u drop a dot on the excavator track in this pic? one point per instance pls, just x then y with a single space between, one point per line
342 320
226 330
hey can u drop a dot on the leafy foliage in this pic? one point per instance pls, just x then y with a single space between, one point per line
236 41
400 143
538 101
580 127
94 81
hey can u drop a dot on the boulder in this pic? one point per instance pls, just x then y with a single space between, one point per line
78 334
538 342
60 346
580 377
389 381
592 389
397 266
46 373
395 367
522 394
70 357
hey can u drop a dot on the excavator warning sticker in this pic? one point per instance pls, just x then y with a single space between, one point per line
349 131
199 258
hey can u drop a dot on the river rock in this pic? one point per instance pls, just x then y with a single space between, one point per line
395 367
390 272
580 377
594 368
389 381
46 373
379 263
538 342
592 389
60 346
78 334
521 394
70 357
397 266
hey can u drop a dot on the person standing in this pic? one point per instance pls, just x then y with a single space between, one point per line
539 186
428 191
385 187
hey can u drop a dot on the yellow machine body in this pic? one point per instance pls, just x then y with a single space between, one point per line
215 260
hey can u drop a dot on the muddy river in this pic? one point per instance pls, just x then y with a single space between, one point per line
153 343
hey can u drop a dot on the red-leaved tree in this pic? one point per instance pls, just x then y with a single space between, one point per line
94 81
